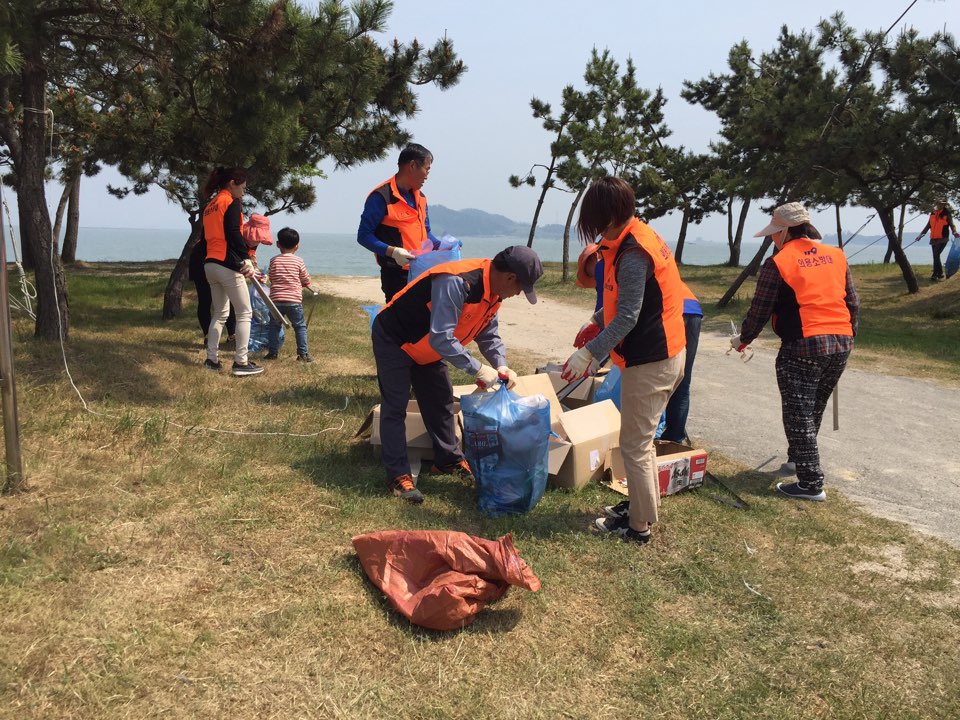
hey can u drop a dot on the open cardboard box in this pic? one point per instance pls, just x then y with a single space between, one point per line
584 436
679 467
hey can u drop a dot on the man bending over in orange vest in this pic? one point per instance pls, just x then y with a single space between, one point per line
427 324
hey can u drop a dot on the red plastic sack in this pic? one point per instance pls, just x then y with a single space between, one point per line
441 579
256 231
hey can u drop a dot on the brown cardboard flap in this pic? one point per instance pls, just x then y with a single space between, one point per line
540 385
417 435
592 432
591 421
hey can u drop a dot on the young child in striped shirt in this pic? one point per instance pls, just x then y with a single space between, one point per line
288 276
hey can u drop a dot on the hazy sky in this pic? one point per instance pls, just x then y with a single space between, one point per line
481 131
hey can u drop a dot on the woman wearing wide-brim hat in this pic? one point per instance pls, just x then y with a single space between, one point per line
807 290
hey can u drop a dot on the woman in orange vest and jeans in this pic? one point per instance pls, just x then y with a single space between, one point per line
642 331
807 290
940 220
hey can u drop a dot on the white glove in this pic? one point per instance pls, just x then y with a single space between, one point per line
247 268
737 344
579 365
401 256
486 377
508 376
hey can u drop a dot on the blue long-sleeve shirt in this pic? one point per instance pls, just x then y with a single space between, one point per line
447 297
374 210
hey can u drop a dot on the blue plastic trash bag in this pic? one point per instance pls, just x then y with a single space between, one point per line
446 249
952 264
506 440
610 390
372 311
610 387
259 323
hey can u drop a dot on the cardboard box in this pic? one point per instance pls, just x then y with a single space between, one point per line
586 436
417 435
679 467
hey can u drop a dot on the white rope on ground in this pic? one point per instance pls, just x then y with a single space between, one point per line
86 406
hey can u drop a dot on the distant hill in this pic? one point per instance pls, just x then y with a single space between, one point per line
471 222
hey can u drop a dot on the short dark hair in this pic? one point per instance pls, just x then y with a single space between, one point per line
608 201
288 238
418 153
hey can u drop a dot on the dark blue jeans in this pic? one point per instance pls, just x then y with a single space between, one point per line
679 406
294 311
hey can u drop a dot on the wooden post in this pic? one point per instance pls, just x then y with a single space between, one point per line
8 390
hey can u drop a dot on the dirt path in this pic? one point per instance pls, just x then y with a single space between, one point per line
892 454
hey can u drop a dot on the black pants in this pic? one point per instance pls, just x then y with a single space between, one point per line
805 386
937 246
396 372
393 279
679 406
204 298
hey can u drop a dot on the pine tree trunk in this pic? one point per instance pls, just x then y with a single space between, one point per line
839 227
69 252
61 207
738 237
543 193
173 295
53 315
566 233
749 270
678 254
886 219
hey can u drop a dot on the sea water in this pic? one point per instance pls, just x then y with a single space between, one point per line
339 253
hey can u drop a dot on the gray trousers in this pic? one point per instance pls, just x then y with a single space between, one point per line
396 373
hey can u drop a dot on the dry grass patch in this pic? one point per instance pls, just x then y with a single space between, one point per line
152 570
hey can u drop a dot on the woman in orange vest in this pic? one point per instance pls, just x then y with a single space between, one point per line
807 290
227 265
428 324
642 331
940 220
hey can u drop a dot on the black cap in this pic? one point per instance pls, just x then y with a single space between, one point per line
525 264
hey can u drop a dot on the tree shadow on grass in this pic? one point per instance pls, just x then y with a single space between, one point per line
360 390
451 503
489 620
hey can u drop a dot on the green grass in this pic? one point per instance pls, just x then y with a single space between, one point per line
151 570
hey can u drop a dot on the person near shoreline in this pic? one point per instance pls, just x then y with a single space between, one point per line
227 265
288 277
641 328
198 277
807 290
428 324
940 220
395 223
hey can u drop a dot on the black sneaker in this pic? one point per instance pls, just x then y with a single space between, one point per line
404 489
621 528
305 358
211 365
620 510
270 356
251 368
798 492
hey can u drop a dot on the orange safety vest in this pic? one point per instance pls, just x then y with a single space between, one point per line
402 226
213 230
938 225
406 318
813 299
659 333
